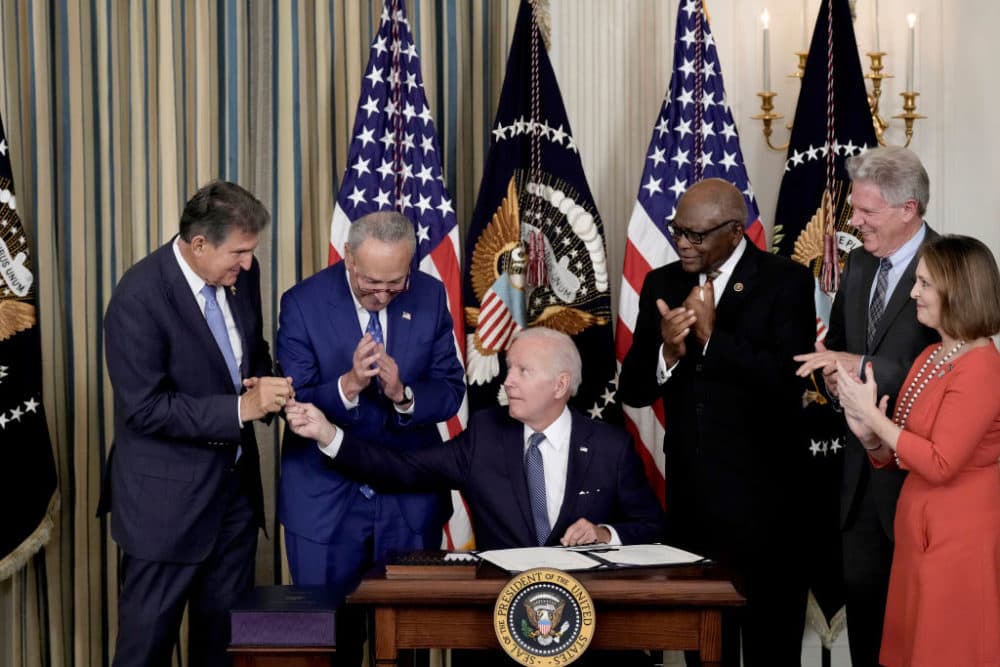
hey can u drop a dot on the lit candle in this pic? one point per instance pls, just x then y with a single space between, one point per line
911 19
876 27
765 20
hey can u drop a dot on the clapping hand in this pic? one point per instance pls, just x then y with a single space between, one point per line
860 401
701 302
675 325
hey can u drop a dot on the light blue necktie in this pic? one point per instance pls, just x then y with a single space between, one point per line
534 472
217 323
877 306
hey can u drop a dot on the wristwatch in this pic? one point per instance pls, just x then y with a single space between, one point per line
407 396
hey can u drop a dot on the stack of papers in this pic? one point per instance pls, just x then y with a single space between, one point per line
589 557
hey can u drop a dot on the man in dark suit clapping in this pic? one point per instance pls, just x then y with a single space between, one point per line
715 337
190 372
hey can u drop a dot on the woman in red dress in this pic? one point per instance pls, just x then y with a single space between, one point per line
944 590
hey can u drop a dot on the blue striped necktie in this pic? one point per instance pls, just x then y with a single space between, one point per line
375 327
877 306
534 472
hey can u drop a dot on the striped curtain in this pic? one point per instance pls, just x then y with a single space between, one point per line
116 112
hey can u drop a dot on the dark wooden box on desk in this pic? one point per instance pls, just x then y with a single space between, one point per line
284 625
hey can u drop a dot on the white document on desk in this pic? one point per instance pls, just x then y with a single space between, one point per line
589 557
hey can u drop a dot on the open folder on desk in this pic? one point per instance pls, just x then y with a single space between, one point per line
589 557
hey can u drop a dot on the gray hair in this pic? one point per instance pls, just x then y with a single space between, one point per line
384 226
896 171
565 357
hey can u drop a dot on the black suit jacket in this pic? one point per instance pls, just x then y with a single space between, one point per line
898 341
604 484
176 425
733 439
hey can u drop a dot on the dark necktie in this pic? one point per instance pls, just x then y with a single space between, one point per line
534 471
877 306
217 324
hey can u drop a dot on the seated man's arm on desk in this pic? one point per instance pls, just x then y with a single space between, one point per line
440 466
615 495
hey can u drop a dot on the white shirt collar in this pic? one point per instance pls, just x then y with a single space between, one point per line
557 433
728 266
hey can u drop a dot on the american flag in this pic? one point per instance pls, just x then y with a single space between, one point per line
694 138
394 162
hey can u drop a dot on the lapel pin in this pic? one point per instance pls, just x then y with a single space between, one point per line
406 315
232 290
584 450
738 287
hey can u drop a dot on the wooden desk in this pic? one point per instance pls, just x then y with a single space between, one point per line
658 609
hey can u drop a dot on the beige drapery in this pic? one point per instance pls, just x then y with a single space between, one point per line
116 111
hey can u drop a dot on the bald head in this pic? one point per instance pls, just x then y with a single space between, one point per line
709 224
717 194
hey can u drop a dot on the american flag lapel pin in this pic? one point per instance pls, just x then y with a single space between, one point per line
406 315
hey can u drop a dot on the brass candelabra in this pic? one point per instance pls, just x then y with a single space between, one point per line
876 75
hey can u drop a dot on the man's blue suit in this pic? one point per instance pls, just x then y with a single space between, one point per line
318 333
605 482
170 473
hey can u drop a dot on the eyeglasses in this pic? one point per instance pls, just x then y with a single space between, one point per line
388 291
695 238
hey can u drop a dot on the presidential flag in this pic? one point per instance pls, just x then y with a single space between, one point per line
832 123
694 138
536 254
29 494
395 164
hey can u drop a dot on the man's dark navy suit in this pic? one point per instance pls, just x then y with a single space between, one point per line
605 482
172 472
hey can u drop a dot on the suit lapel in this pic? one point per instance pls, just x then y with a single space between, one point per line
867 265
576 471
513 446
340 309
178 293
237 304
399 317
731 303
900 296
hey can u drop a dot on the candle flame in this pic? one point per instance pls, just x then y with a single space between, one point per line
911 19
765 18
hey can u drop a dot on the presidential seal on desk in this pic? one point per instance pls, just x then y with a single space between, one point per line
544 617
